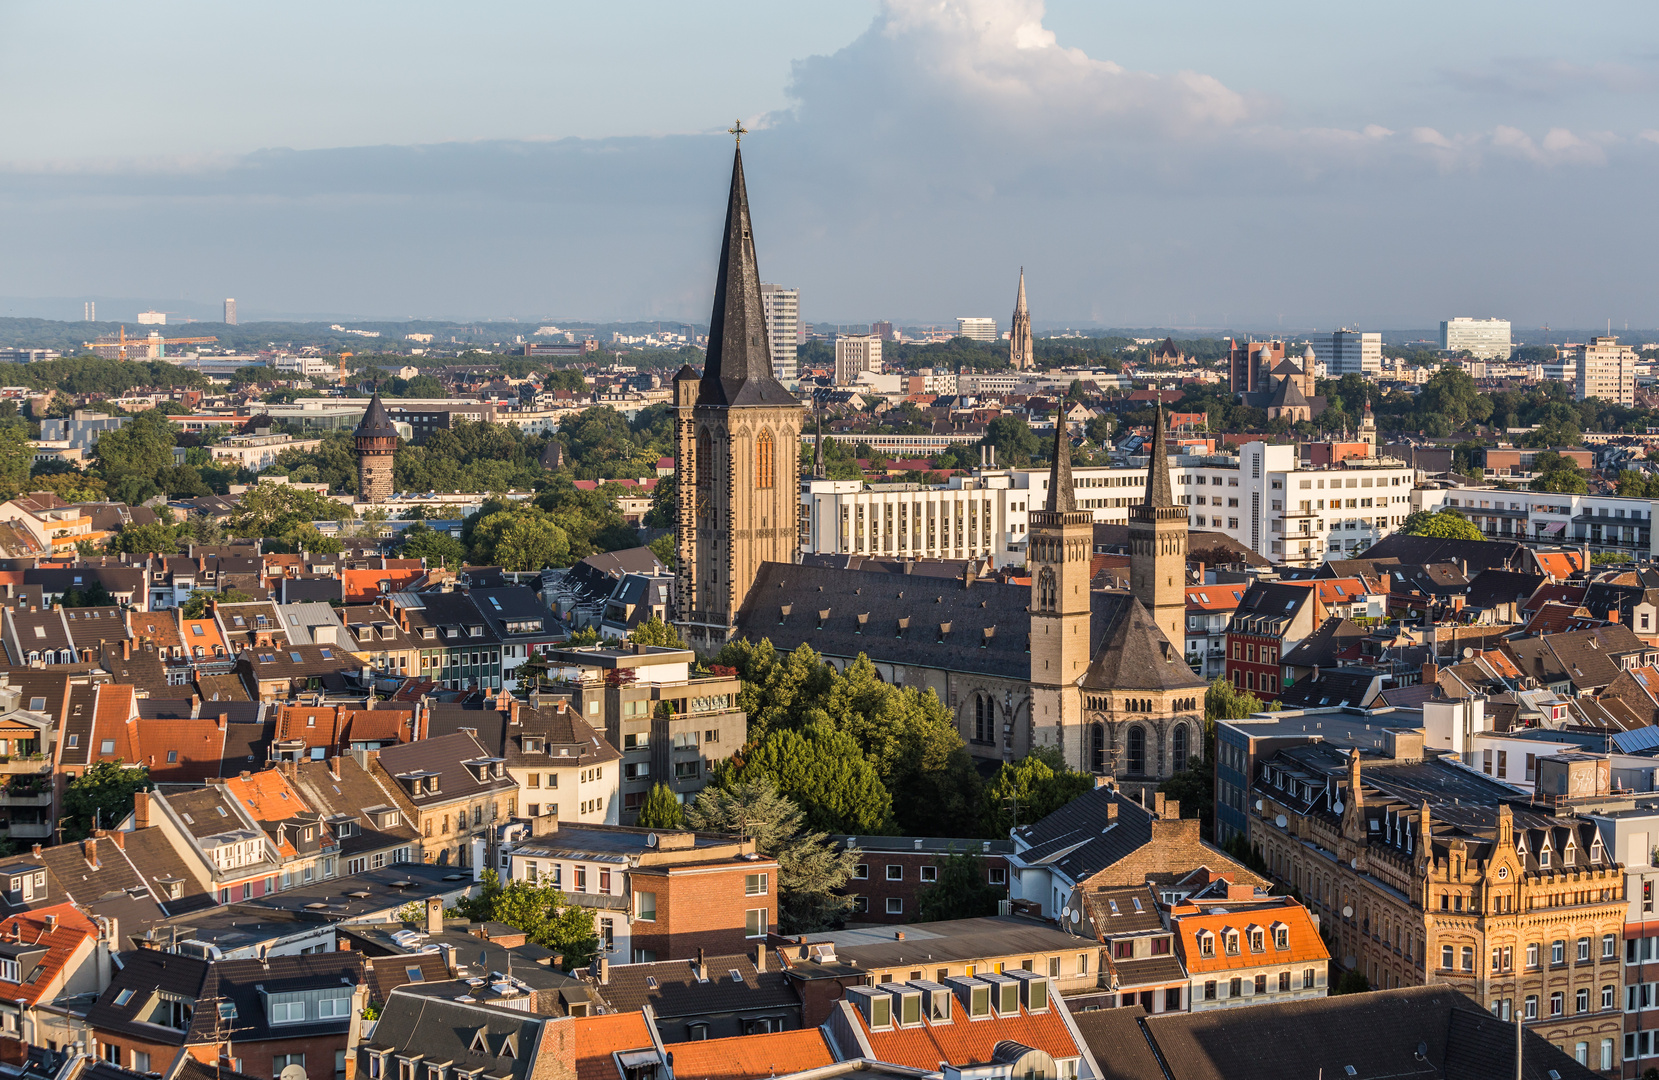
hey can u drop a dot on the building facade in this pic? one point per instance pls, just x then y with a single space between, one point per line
1484 339
782 308
856 354
1350 352
977 328
1603 369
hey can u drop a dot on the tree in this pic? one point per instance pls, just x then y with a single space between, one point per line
810 870
664 548
94 595
822 770
275 509
1014 441
661 810
1352 981
1224 701
520 539
422 541
17 455
961 890
654 631
1446 523
539 911
195 605
130 459
138 539
101 796
1030 789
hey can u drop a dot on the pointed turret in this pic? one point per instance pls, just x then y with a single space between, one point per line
739 366
1159 494
1060 495
1019 332
376 424
1019 300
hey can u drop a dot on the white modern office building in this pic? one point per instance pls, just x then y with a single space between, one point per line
1349 352
1484 339
977 329
782 310
1263 498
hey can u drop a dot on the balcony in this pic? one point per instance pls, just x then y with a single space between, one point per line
30 830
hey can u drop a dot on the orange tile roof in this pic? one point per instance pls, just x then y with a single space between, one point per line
1341 590
745 1057
315 725
969 1042
598 1037
199 747
361 585
1499 661
207 640
73 930
1215 597
116 706
377 725
267 797
1305 944
1560 564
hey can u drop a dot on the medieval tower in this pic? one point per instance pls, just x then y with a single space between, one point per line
1061 545
1019 334
376 442
738 438
1158 546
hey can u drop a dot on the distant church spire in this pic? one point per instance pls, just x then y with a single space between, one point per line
1158 491
1061 498
1019 332
738 370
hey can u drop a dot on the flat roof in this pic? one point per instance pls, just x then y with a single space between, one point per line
950 941
607 657
369 892
1345 727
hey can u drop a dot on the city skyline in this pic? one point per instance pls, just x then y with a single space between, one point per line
1132 168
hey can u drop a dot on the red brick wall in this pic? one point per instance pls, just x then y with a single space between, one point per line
702 908
876 889
256 1057
161 1054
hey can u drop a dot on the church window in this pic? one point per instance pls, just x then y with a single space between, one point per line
705 460
1047 590
764 463
1097 747
1178 744
1137 750
985 715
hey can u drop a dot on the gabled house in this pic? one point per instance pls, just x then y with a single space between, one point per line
452 790
45 953
359 810
1270 620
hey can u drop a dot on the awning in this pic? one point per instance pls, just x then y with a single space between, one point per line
1554 527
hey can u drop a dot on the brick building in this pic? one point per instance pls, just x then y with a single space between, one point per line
893 869
657 895
1270 621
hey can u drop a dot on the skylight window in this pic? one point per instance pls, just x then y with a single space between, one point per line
123 997
294 656
196 630
37 704
326 654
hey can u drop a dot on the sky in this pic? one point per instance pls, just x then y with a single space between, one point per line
1190 163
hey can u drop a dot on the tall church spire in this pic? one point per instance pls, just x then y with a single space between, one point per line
1158 491
739 366
1060 495
1019 331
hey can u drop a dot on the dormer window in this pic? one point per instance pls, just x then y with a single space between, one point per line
1232 942
1281 937
1206 944
1256 939
1544 857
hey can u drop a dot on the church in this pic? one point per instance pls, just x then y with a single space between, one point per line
1098 673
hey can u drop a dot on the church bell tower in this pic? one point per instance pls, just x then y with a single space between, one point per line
1061 545
1158 546
738 438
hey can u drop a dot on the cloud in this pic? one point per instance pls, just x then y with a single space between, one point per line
914 170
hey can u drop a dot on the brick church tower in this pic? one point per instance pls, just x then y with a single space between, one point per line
376 441
738 439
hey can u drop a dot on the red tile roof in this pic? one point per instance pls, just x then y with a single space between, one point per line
116 706
969 1042
180 751
1305 945
1560 564
1214 597
72 931
748 1057
598 1037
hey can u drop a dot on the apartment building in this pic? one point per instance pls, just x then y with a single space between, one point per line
1209 609
1349 352
669 725
1424 871
1603 523
1604 369
856 354
452 791
782 309
1249 953
1485 339
656 895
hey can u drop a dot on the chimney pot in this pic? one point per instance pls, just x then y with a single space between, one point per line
898 935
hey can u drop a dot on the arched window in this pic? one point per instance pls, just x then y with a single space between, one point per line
1178 748
1137 750
1047 590
764 465
1097 748
705 460
985 717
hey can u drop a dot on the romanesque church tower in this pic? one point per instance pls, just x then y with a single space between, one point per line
738 435
1158 546
1019 333
1061 545
376 443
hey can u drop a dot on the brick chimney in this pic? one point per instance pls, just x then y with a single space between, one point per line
1158 803
760 957
126 648
1431 673
140 811
90 847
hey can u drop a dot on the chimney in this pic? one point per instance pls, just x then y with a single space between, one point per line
702 969
898 935
126 650
760 957
1112 810
1431 673
195 705
1158 803
605 970
435 915
140 812
51 923
90 847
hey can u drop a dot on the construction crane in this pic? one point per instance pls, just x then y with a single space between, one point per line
155 344
343 355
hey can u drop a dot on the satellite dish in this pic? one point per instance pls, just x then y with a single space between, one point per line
1258 805
1076 916
1347 912
1281 821
1467 652
1336 807
1354 863
651 840
292 1072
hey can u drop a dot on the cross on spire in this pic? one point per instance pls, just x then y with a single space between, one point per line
737 131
